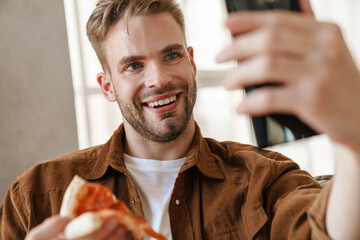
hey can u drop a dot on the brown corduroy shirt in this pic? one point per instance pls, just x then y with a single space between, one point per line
225 190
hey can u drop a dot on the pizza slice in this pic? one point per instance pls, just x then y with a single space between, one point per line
89 205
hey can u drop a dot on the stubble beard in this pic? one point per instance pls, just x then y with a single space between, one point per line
171 126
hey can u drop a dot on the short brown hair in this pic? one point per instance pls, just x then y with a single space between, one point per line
109 12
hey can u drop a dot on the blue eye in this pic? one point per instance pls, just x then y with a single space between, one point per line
172 56
134 66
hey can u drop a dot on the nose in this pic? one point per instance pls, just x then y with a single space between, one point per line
157 76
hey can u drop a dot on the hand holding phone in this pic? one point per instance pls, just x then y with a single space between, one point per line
275 128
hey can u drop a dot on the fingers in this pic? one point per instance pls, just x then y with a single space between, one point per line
268 100
275 32
306 7
265 69
118 234
245 21
110 230
274 40
53 227
49 229
280 32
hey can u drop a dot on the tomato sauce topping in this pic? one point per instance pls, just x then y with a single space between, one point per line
93 197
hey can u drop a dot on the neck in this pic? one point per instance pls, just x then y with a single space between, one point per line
136 146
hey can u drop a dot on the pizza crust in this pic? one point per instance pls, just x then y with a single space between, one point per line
83 225
69 201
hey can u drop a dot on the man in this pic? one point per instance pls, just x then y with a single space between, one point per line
189 187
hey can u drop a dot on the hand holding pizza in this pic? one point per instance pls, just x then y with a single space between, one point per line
53 227
90 211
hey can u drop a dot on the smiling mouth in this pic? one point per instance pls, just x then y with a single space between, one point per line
162 102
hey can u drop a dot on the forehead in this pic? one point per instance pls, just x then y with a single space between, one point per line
142 35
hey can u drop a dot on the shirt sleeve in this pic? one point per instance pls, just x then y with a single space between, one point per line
317 214
13 221
295 204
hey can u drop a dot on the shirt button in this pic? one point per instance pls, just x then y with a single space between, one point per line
177 202
134 201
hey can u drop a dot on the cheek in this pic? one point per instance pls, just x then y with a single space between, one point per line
189 77
129 90
185 72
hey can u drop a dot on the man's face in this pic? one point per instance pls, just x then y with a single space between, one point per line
152 75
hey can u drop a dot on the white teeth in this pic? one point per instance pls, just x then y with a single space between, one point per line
162 102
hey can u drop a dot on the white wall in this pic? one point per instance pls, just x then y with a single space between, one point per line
37 120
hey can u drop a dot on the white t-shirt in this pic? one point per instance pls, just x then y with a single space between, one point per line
155 181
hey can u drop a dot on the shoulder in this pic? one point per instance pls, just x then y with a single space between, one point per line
249 160
56 173
230 151
38 192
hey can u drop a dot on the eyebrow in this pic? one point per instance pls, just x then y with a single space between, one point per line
128 59
167 49
173 47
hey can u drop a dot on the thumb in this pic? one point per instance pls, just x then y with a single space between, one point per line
305 7
49 229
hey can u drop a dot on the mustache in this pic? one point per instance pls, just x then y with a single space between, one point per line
169 87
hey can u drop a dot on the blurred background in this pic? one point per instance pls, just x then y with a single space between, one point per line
51 104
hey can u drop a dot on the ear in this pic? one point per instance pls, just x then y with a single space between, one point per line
106 86
191 55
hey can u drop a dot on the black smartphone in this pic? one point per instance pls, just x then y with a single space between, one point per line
275 128
245 5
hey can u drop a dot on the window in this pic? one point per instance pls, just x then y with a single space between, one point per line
215 108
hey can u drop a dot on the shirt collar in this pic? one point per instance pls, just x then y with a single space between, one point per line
199 155
111 155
